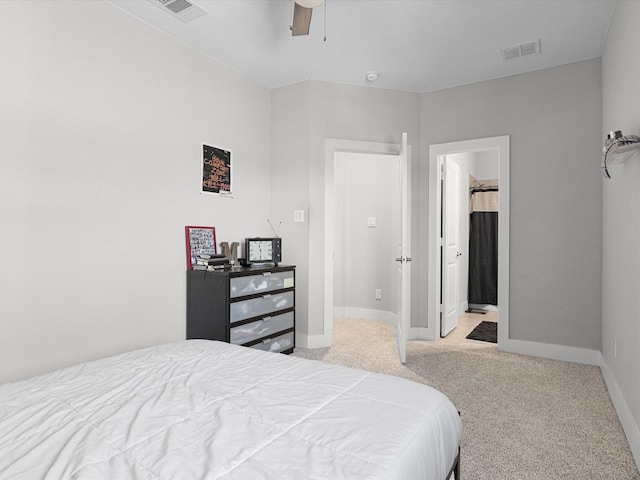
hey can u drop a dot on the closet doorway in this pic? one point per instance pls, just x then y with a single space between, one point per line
388 298
449 252
365 236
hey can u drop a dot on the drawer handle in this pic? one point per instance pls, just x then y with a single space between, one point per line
266 319
266 296
266 274
267 340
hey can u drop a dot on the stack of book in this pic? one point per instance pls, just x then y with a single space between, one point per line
211 262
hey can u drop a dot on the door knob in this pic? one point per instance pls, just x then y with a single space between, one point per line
458 254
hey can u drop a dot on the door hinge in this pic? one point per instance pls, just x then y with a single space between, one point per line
403 259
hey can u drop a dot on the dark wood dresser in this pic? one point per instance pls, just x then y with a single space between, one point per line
251 306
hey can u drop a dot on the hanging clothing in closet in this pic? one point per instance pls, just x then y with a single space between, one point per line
483 243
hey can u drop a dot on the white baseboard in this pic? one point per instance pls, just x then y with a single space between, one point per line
365 314
339 312
533 349
548 350
313 341
629 425
419 333
484 306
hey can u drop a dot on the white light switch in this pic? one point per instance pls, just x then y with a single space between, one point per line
298 216
371 222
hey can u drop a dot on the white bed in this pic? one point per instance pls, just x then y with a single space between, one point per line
209 410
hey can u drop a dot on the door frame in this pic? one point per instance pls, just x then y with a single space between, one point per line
331 147
502 145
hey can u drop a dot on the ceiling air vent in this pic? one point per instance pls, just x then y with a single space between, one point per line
183 9
522 50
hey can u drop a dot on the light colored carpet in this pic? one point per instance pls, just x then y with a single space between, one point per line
523 417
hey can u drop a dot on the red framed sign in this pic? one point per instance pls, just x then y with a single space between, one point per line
200 241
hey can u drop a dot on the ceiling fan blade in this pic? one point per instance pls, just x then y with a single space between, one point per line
301 20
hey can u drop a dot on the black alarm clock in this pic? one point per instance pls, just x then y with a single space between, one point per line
263 250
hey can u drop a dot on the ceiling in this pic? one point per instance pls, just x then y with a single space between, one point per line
414 45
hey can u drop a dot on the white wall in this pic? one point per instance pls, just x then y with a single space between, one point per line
621 224
366 186
101 124
290 145
487 165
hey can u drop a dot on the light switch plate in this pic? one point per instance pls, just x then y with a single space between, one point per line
298 216
371 222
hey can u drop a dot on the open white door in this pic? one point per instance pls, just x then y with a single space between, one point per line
404 254
451 251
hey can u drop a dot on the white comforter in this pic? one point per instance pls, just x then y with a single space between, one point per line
201 409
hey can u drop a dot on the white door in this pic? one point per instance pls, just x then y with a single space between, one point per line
403 259
451 253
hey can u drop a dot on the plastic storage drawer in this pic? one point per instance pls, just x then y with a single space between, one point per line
276 344
261 328
259 306
260 283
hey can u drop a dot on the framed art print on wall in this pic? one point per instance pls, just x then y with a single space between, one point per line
200 241
216 171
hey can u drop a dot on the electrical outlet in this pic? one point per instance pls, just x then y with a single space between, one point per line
378 294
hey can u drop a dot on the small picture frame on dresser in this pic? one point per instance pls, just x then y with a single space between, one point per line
199 241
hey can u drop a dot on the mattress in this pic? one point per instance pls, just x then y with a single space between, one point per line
202 409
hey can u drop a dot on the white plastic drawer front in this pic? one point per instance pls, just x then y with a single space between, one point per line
277 344
256 307
261 328
260 283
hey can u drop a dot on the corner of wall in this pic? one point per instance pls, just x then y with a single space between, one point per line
627 421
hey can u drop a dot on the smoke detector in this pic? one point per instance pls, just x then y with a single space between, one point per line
521 50
372 76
